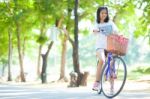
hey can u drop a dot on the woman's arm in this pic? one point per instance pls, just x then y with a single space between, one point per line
96 29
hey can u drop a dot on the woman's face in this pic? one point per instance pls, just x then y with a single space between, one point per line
103 15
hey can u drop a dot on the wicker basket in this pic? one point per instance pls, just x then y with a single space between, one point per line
117 44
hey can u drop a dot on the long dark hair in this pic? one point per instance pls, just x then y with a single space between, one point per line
98 14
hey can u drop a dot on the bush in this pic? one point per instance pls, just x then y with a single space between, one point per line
143 69
147 70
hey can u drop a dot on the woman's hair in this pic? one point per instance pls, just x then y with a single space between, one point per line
98 14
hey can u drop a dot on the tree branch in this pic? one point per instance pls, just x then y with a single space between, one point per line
68 37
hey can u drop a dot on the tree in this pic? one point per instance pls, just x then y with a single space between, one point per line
70 23
10 55
21 13
44 65
47 14
75 45
22 25
142 25
7 28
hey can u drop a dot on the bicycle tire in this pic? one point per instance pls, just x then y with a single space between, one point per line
118 81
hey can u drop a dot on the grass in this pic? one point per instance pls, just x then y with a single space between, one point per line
142 69
137 72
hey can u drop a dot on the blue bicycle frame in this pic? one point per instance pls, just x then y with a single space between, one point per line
109 70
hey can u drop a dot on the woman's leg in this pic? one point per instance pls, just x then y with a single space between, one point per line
101 59
99 69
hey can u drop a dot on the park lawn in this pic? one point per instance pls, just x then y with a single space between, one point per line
139 72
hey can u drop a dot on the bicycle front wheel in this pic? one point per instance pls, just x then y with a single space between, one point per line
113 77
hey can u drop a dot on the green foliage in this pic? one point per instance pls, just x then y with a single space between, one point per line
42 39
147 70
143 69
134 75
41 14
144 20
136 72
85 31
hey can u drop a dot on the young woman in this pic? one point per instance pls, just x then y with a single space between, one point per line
102 29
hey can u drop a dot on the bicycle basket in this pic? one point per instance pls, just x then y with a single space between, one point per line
117 44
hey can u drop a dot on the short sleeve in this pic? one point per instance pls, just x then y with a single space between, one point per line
114 27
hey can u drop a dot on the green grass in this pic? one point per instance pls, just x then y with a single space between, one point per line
136 73
143 69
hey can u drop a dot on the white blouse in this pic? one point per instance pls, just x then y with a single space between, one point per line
105 29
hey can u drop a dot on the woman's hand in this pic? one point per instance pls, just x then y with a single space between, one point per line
96 30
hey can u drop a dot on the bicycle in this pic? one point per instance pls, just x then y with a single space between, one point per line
113 76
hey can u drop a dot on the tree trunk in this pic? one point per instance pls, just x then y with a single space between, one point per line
74 43
75 46
84 79
39 61
40 49
75 60
20 53
44 65
63 59
9 47
23 46
9 55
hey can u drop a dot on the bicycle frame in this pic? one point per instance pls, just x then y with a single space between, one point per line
108 70
111 81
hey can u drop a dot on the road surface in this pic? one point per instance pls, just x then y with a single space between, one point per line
132 90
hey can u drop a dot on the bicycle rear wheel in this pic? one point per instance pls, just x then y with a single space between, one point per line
113 79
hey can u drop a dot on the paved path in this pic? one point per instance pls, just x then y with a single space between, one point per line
14 91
